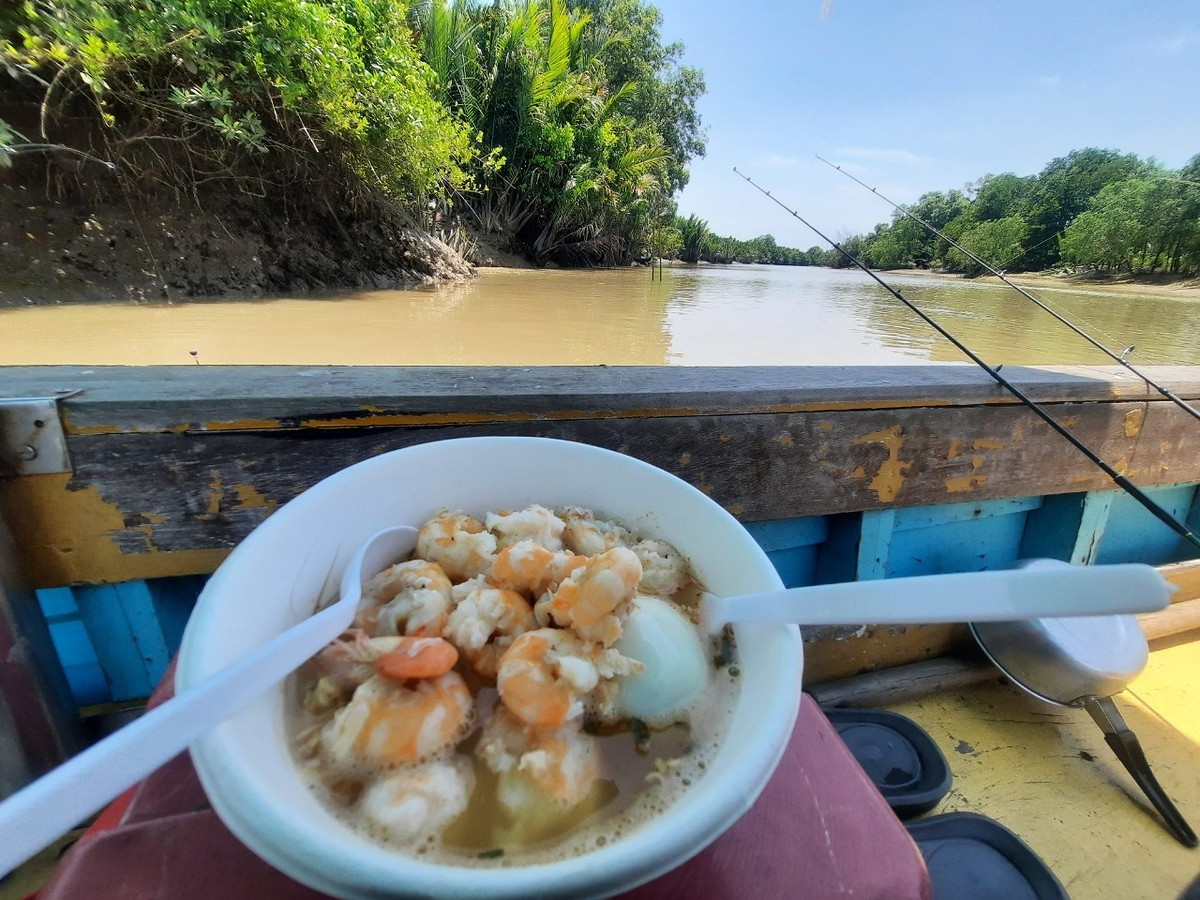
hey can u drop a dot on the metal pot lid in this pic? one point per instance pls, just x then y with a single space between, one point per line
1064 660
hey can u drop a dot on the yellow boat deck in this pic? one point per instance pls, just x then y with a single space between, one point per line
1046 773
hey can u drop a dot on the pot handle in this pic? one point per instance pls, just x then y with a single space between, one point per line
1124 744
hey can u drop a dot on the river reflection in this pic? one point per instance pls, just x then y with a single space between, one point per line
736 315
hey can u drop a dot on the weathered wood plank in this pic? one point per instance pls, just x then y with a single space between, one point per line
172 469
199 398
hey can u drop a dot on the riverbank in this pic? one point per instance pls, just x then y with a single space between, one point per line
1174 286
82 242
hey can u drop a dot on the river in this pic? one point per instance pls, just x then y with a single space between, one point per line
693 316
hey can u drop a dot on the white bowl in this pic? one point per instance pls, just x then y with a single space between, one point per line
271 581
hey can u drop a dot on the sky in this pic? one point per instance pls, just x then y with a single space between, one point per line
912 96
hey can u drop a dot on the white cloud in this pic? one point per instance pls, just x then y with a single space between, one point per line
1179 43
882 154
780 161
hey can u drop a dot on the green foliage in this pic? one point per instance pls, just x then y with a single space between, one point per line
994 239
694 236
307 77
1094 208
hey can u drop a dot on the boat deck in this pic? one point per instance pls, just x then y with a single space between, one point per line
1045 773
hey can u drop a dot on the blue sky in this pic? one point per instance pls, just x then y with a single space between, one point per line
917 95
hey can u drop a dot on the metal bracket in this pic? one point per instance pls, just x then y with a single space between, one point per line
31 437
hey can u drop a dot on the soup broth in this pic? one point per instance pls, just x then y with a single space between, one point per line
523 753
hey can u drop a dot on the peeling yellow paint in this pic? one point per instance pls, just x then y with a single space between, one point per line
952 450
1122 465
737 509
889 478
824 426
215 492
1018 434
686 459
374 417
786 440
859 472
65 535
961 484
987 444
248 497
725 438
1133 422
1068 421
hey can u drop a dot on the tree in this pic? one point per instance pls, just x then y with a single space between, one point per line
1062 191
993 241
694 237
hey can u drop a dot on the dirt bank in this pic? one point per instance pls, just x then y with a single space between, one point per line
65 239
1124 283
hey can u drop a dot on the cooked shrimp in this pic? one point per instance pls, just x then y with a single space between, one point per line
485 622
409 598
534 523
388 723
532 569
350 660
417 803
664 571
593 599
548 675
458 543
586 535
536 765
418 657
544 676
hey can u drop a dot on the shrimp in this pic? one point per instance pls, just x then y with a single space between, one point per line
458 543
417 803
350 660
417 657
594 598
409 598
535 523
390 722
535 765
532 569
664 571
586 535
485 622
549 676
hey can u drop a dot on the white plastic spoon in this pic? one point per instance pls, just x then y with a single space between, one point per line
43 811
674 663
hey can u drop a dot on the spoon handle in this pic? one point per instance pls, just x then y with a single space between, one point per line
1025 593
40 813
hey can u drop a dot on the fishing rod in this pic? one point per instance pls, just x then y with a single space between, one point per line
1128 486
1119 358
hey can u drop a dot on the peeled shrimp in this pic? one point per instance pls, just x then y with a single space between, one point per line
586 535
416 803
458 543
594 598
536 765
409 598
390 722
485 622
664 571
534 523
546 676
532 569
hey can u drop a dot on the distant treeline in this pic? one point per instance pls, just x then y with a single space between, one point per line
1097 210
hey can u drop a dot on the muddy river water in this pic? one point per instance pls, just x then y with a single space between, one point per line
721 316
